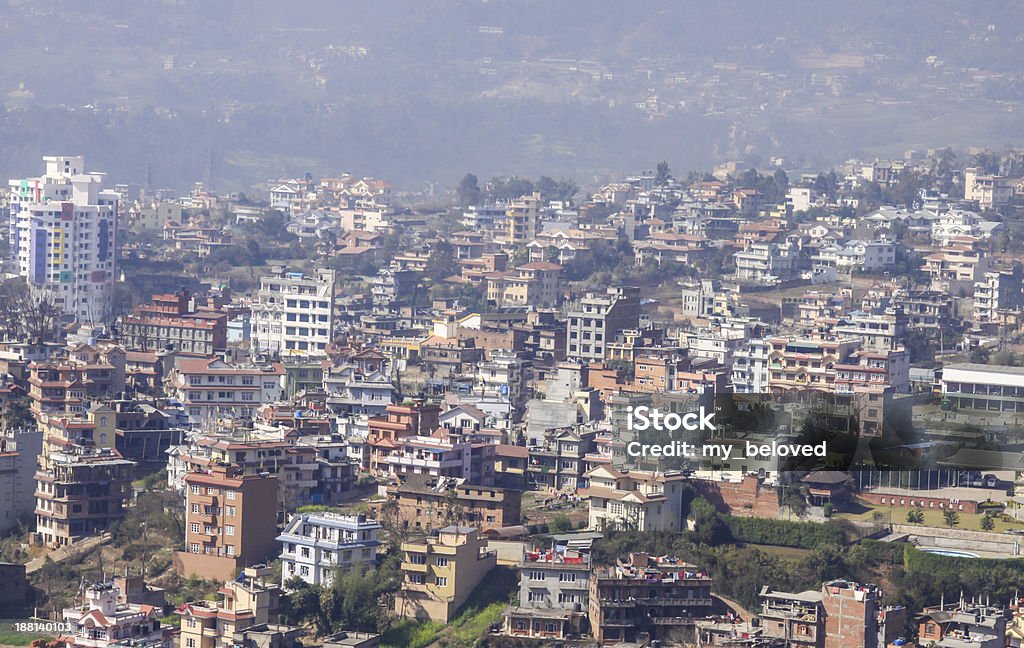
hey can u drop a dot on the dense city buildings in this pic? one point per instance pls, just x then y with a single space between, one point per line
343 388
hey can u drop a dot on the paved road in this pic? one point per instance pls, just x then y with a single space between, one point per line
59 555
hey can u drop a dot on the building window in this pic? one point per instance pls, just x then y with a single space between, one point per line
442 561
229 529
442 581
229 494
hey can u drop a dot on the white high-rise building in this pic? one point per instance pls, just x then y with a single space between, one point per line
63 230
293 313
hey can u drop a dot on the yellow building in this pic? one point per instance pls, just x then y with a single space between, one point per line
439 573
523 219
243 603
532 284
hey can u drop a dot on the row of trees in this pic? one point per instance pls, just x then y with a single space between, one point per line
498 189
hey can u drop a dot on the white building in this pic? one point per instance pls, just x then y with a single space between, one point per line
209 387
639 500
750 367
766 262
315 544
63 230
102 621
991 388
293 313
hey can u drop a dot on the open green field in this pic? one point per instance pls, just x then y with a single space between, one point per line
12 638
932 518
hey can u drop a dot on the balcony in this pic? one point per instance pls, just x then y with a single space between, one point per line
414 567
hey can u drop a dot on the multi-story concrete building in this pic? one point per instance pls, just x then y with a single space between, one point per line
249 601
442 455
699 298
874 371
531 284
807 364
840 615
439 573
173 322
558 461
648 596
766 262
956 269
553 595
18 452
101 621
63 234
503 376
990 388
428 503
597 319
210 387
884 332
293 313
230 522
68 385
522 220
634 499
417 419
794 618
963 623
998 293
750 373
989 191
80 492
314 545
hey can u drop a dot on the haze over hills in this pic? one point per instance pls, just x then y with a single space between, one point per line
426 91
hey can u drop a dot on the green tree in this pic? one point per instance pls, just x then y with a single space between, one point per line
441 262
915 516
951 518
708 528
987 523
18 415
469 191
663 174
560 524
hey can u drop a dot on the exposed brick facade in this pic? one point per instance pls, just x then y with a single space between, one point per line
919 501
748 498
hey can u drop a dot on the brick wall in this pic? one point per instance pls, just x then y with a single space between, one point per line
918 501
748 498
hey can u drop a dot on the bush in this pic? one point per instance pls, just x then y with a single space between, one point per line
783 533
560 524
